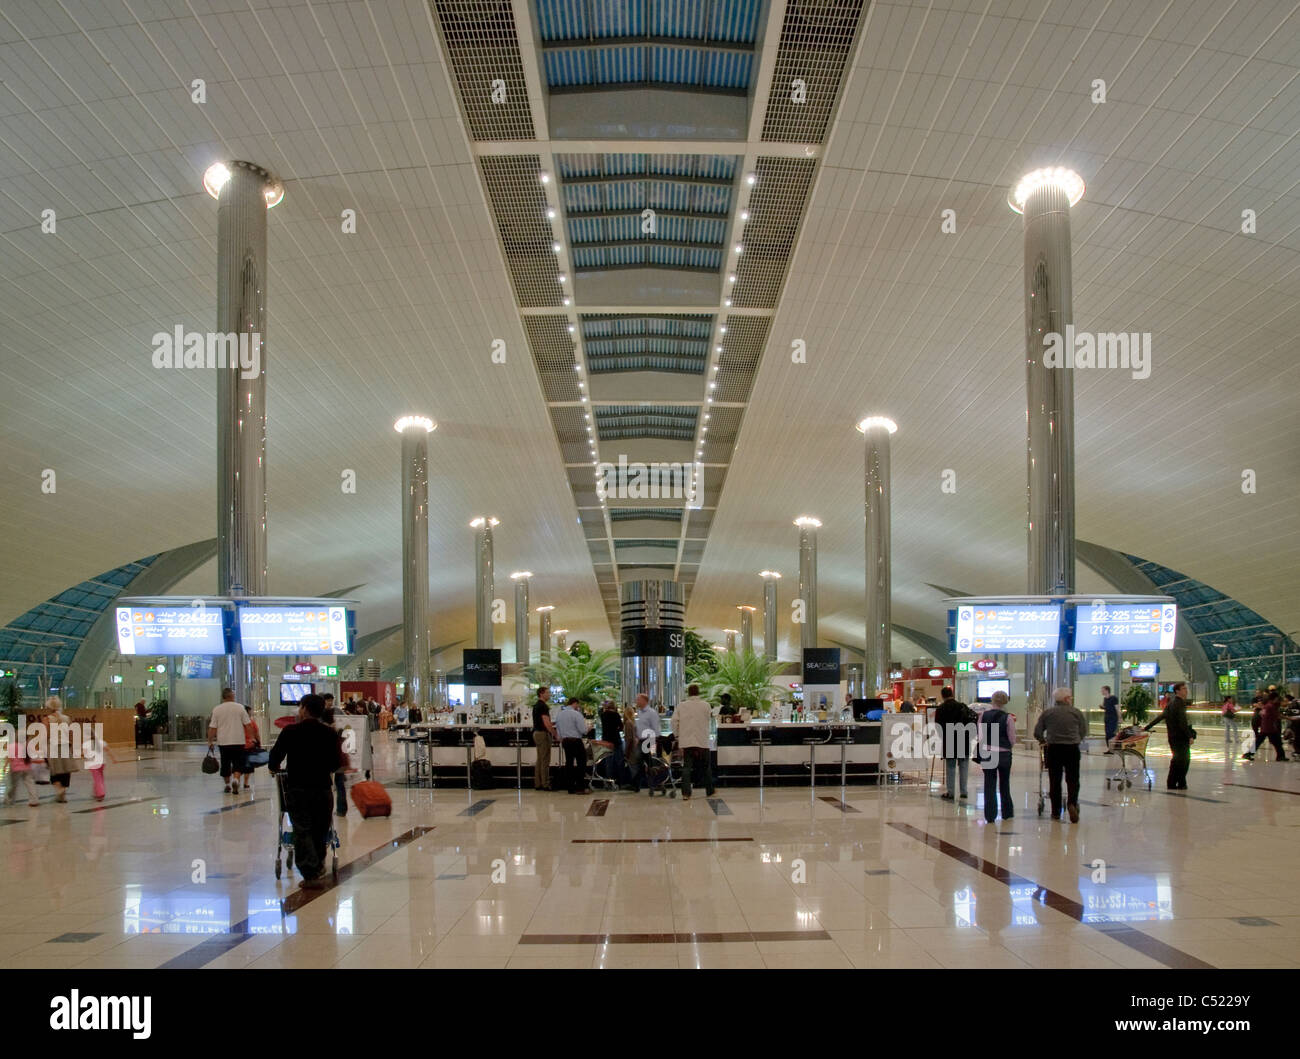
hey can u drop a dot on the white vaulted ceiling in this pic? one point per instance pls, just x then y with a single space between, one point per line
942 106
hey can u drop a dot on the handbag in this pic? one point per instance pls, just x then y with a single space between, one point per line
253 758
40 772
211 763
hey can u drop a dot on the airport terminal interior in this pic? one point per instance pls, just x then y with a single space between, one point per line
610 484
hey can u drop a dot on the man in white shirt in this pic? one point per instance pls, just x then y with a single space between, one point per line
226 730
691 727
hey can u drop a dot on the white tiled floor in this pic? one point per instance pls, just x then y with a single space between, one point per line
1177 870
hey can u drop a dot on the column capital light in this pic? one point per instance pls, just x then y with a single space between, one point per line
410 422
543 610
770 575
521 575
218 174
745 606
481 521
875 422
1053 176
559 632
808 522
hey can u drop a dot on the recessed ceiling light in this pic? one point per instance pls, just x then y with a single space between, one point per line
723 329
731 278
550 213
544 177
717 349
752 179
727 303
556 247
572 329
739 249
562 278
744 215
567 300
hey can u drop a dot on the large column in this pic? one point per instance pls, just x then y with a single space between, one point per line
877 431
544 639
770 578
483 586
808 527
520 578
415 558
1045 197
652 641
244 192
746 628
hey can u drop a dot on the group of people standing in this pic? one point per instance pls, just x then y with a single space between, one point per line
633 736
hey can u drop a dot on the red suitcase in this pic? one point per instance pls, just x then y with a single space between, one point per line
371 799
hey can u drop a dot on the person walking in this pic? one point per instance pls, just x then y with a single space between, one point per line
314 754
226 733
1270 727
997 736
544 738
1110 714
572 726
1061 728
1231 728
331 718
611 732
1180 733
690 723
252 744
20 768
58 748
953 716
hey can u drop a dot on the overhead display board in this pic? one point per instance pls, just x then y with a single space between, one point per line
146 630
315 630
1113 626
1014 628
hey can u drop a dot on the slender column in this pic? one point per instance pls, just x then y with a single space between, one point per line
561 641
483 586
520 578
544 639
415 558
770 578
244 192
877 431
746 629
1045 198
730 635
808 579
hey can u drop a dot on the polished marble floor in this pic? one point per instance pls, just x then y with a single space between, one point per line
864 877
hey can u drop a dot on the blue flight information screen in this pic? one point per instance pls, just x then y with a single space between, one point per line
320 630
171 631
1125 626
1011 628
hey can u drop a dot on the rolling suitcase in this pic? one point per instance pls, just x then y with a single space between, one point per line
371 799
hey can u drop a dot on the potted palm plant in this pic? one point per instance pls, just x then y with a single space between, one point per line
587 679
1137 704
745 676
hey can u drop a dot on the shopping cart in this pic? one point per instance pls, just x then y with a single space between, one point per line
1130 744
1042 771
284 832
603 776
663 768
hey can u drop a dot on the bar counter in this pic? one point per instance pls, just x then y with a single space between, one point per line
787 748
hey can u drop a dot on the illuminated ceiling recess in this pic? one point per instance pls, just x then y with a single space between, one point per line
648 166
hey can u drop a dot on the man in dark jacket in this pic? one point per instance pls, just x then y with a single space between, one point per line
956 725
1061 728
1270 726
1181 733
312 748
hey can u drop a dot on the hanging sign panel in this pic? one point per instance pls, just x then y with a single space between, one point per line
1012 628
317 630
1125 627
143 630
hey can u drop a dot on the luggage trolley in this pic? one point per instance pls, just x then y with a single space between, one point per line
284 832
1129 743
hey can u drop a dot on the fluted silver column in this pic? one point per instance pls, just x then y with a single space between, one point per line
244 193
808 527
770 578
544 639
561 641
652 641
1045 198
877 431
746 628
415 558
520 578
483 584
730 640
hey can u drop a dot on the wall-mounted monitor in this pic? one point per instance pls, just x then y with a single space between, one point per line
985 687
145 630
291 692
196 667
317 630
989 628
1105 626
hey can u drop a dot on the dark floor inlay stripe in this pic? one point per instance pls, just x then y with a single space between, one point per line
606 841
1251 786
843 807
113 805
719 807
219 944
477 807
598 807
235 805
77 936
1253 921
1121 932
675 938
